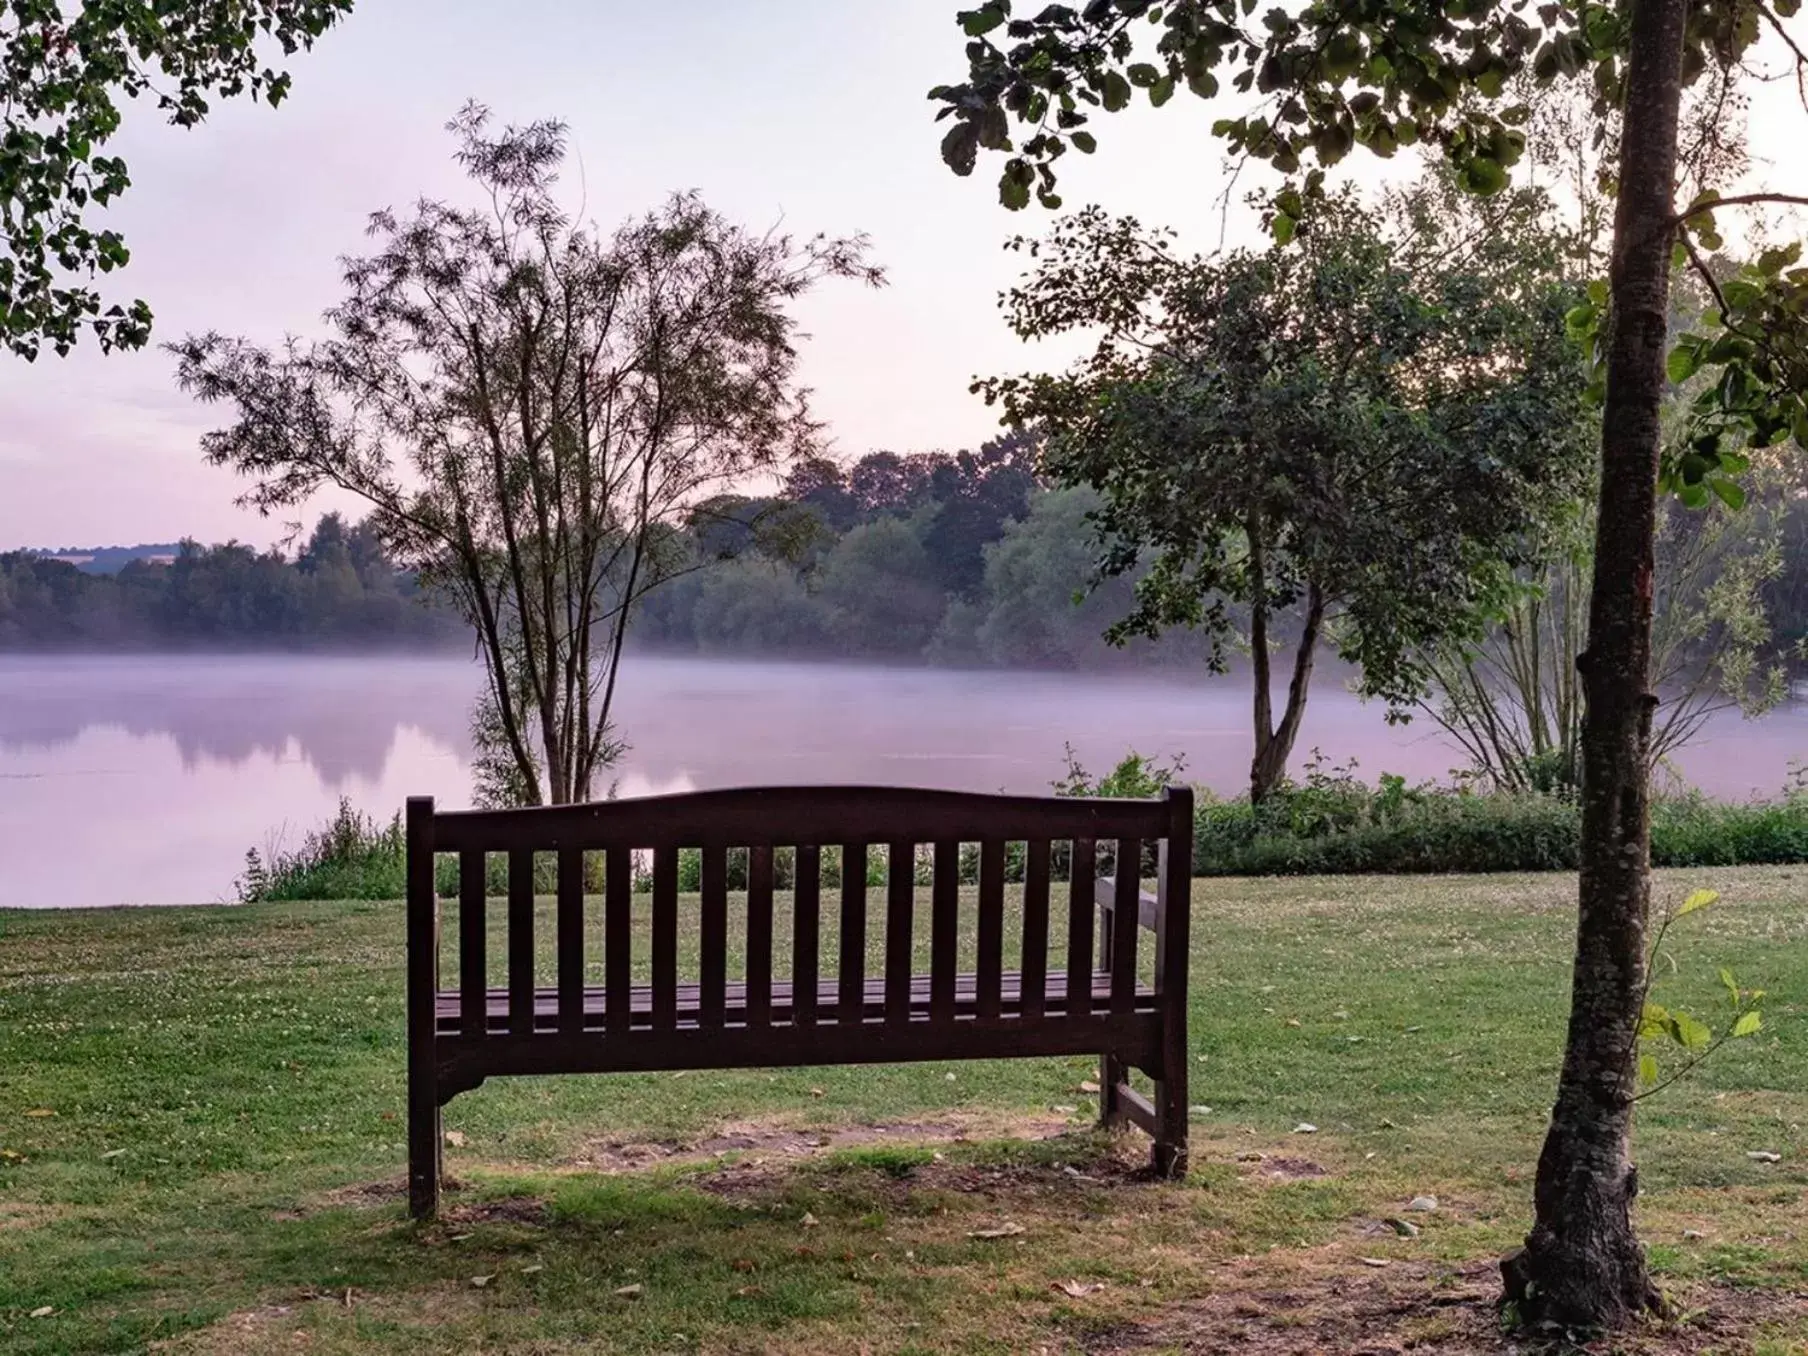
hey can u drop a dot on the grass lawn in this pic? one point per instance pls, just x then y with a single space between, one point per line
201 1151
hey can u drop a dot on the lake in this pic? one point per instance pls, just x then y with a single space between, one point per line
144 779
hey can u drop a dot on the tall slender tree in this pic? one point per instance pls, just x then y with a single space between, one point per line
534 411
1330 76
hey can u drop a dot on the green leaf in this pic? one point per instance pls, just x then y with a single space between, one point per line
1689 1033
960 147
1482 176
1283 228
1161 91
1116 92
1142 74
1697 901
1085 142
1647 1068
1749 1024
1729 984
976 23
1773 262
1684 361
1729 492
1014 185
1653 1021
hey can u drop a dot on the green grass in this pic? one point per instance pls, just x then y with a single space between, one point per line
226 1086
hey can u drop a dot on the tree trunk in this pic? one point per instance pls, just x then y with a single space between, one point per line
1582 1266
1274 751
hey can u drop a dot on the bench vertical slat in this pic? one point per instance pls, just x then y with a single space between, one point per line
665 937
900 905
568 938
473 966
991 929
806 934
1080 910
712 969
944 931
521 941
423 1003
1034 965
851 998
1126 904
759 936
618 936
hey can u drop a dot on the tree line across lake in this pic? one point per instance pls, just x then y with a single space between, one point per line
970 558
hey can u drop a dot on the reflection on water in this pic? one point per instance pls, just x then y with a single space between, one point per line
145 779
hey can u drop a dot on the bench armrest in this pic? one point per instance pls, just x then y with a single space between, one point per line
1148 911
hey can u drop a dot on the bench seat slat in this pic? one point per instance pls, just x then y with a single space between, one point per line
688 1004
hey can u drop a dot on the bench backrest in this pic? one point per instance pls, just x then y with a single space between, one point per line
1058 836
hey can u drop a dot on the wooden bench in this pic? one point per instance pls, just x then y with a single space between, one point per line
829 1010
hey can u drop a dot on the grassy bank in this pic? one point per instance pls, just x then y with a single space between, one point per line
1330 824
200 1146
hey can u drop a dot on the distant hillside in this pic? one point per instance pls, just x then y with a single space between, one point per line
108 559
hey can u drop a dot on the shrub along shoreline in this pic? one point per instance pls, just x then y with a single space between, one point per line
1330 824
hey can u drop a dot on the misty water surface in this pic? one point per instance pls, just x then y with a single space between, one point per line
144 779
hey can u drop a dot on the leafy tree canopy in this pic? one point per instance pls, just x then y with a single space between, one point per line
63 69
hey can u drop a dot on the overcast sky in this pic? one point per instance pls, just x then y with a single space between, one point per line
812 111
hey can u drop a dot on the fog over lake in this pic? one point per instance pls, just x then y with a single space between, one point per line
143 779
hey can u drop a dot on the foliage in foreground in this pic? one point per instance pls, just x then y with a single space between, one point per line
1330 823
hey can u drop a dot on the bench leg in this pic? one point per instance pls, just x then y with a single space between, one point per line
1112 1071
1169 1158
423 1140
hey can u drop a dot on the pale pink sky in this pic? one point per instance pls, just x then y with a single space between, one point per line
809 110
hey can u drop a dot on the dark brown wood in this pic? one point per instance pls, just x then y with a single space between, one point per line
1173 943
944 930
900 910
1079 925
1125 908
521 940
784 999
990 963
665 937
459 1038
806 926
786 814
569 940
712 969
853 932
759 935
618 935
423 991
473 964
1035 926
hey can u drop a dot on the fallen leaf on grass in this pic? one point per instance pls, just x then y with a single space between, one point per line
1305 1128
44 1312
1404 1227
1005 1230
809 1221
111 1153
1250 1156
629 1291
456 1138
40 1111
1374 1261
1089 1086
1693 1234
742 1264
1078 1289
530 1270
1423 1204
749 1292
481 1281
1764 1156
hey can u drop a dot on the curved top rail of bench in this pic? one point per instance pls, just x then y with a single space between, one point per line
783 815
